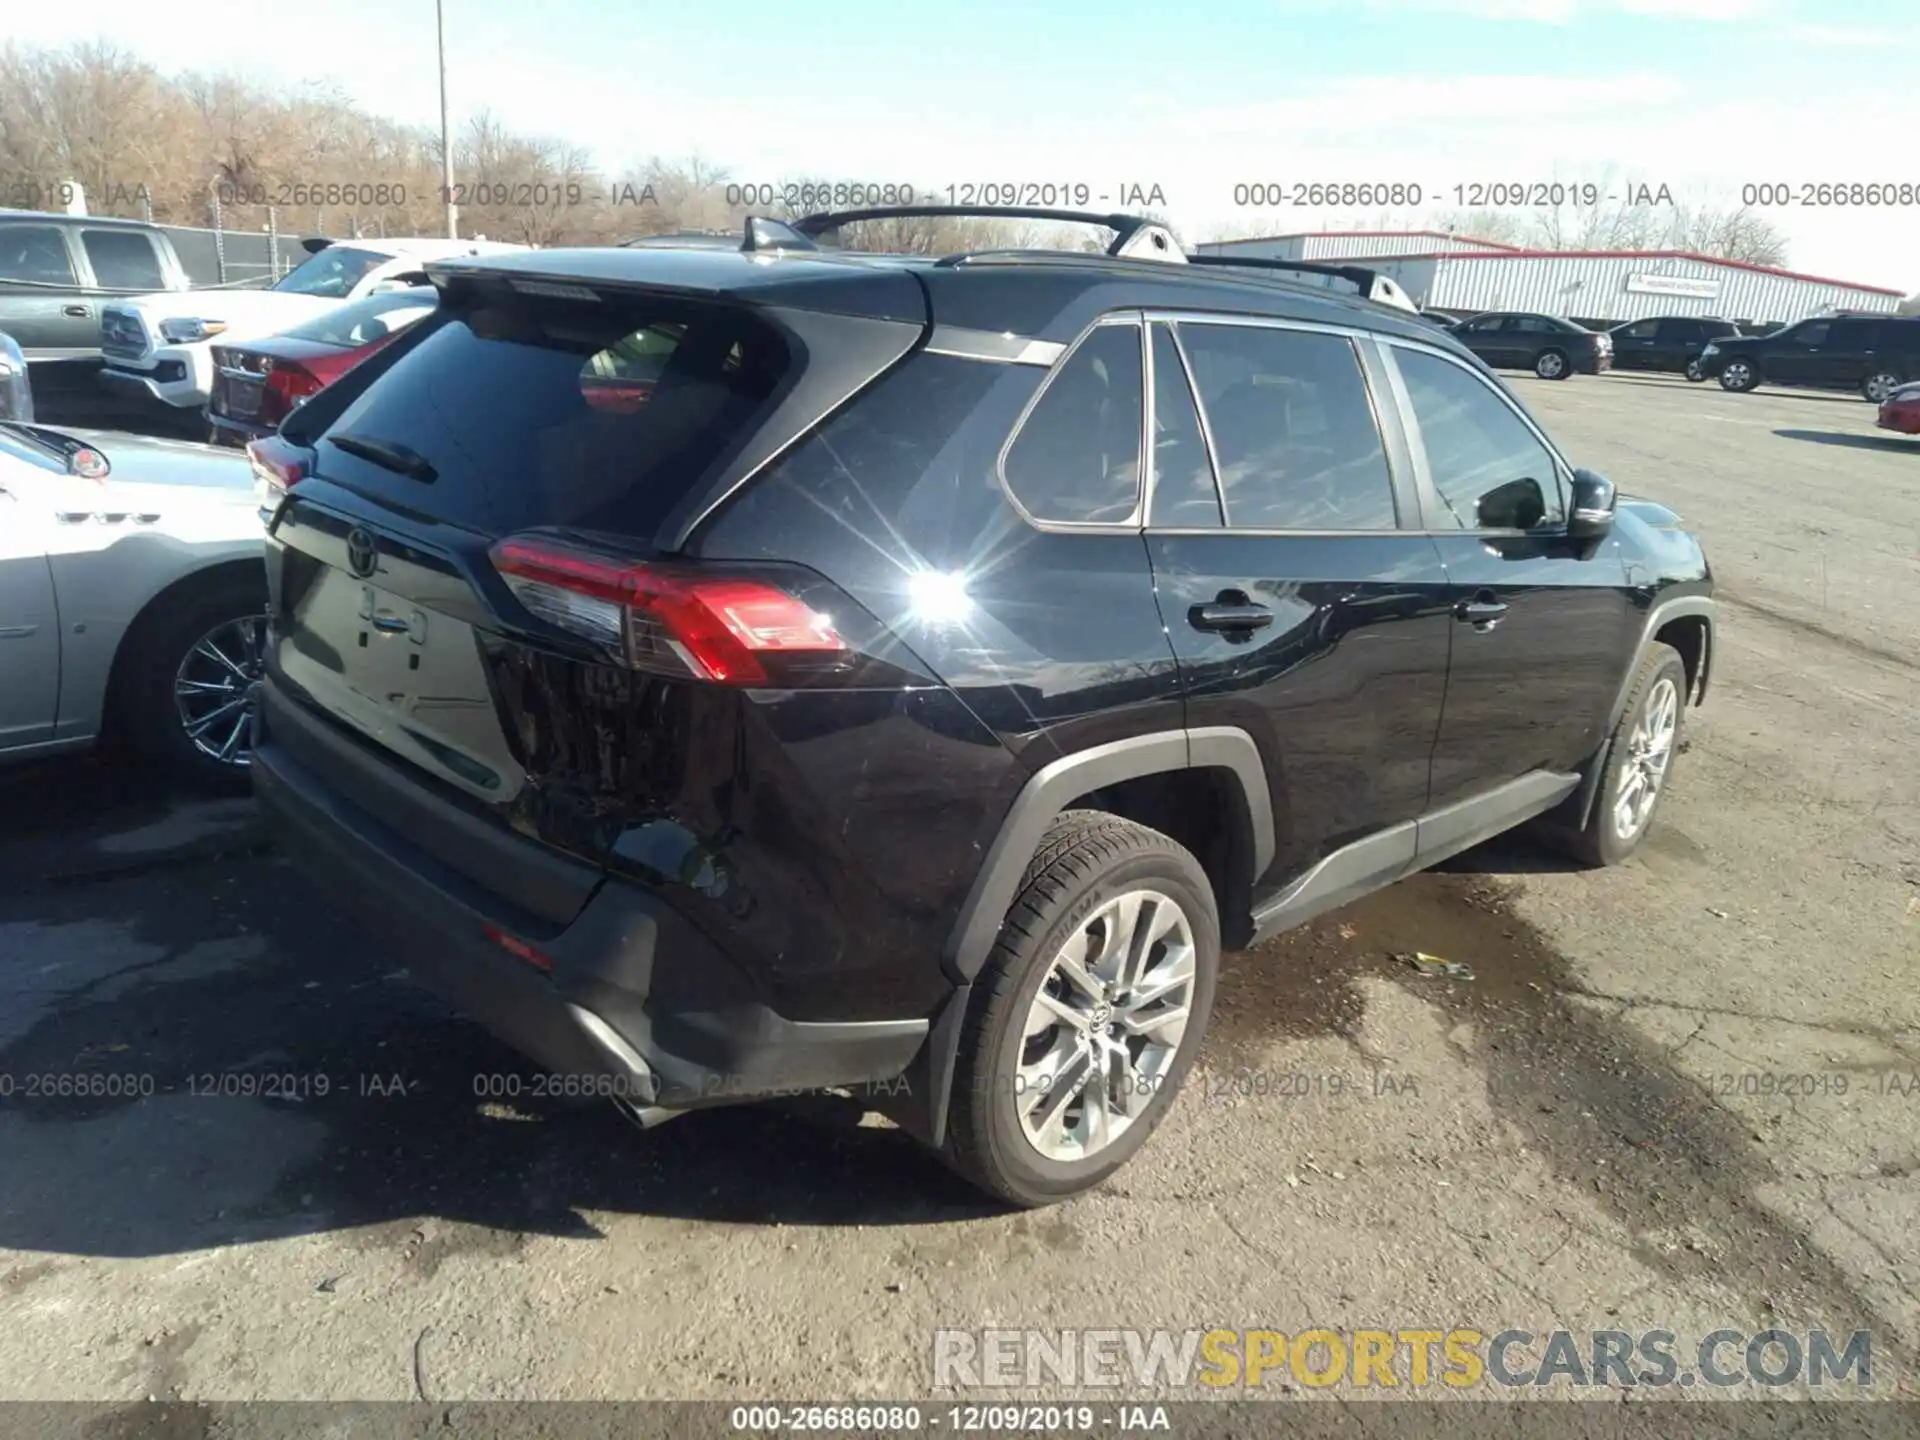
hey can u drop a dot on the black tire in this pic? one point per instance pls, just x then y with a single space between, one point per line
149 721
1880 384
1545 363
1087 858
1695 375
1740 376
1599 842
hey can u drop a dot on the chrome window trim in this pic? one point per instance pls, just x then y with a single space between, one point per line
1000 347
1354 335
1133 523
1417 443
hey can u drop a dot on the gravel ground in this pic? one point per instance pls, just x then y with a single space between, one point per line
1589 1133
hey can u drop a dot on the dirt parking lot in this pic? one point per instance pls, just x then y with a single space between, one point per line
1673 1095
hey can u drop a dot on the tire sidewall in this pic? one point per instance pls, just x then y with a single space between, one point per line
1606 840
1036 1177
1695 375
1866 385
1540 363
1752 372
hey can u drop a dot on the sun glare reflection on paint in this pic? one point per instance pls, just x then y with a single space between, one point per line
939 597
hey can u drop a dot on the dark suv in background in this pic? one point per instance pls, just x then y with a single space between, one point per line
1549 346
937 667
1668 343
1874 354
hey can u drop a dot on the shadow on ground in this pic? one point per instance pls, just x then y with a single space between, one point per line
1851 440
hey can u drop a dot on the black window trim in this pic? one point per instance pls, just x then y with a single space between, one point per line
1392 437
1431 505
1136 519
1200 418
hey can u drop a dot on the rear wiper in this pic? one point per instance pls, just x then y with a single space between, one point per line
388 455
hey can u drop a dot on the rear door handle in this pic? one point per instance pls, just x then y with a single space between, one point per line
1483 612
1228 617
79 312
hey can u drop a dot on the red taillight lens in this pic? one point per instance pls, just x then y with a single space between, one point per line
519 949
714 628
287 384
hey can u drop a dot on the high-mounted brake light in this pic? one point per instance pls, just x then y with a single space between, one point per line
714 628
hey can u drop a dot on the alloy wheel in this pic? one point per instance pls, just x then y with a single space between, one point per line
1549 366
215 689
1881 386
1737 374
1105 1027
1649 749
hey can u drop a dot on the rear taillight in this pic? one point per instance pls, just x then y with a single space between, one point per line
287 384
276 470
724 628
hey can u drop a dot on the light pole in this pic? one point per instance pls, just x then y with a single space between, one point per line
446 131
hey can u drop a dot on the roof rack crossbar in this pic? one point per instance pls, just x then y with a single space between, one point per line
1356 275
1124 226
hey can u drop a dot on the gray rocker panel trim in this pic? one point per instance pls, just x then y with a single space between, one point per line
1379 859
1056 785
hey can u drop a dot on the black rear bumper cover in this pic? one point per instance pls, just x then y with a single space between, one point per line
589 1016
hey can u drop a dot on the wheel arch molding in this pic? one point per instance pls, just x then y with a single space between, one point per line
1057 785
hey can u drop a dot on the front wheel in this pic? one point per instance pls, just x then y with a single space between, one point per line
1739 375
1879 385
1088 1014
1639 761
1551 365
1693 371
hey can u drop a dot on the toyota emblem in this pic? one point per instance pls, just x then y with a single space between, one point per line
362 554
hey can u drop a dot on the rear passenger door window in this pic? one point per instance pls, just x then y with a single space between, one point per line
1489 470
36 254
123 260
1293 433
1075 460
1184 493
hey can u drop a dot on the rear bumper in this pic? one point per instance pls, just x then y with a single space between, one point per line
229 431
589 1015
1596 364
1902 419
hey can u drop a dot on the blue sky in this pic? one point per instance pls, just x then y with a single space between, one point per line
1702 95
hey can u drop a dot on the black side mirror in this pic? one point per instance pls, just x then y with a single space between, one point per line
1593 498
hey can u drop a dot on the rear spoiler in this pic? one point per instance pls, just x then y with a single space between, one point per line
314 244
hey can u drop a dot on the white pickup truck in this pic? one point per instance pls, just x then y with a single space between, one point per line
163 343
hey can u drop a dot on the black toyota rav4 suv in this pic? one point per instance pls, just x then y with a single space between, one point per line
728 673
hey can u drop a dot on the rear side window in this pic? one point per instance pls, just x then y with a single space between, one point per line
531 413
123 260
1293 429
1076 459
1643 329
1184 494
1491 471
36 254
1814 333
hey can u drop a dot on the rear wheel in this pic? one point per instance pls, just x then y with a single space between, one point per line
1551 365
1088 1014
1877 386
1693 371
194 663
1739 375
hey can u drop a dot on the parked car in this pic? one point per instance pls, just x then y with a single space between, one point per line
1873 354
131 598
1549 346
161 346
16 382
871 708
1901 410
256 385
1668 343
56 271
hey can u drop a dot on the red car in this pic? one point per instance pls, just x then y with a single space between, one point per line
1901 410
256 384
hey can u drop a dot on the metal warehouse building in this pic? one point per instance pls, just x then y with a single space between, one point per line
1455 273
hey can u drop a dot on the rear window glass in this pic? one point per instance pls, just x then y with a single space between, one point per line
332 273
365 321
539 413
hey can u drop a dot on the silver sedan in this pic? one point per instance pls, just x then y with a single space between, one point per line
132 598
